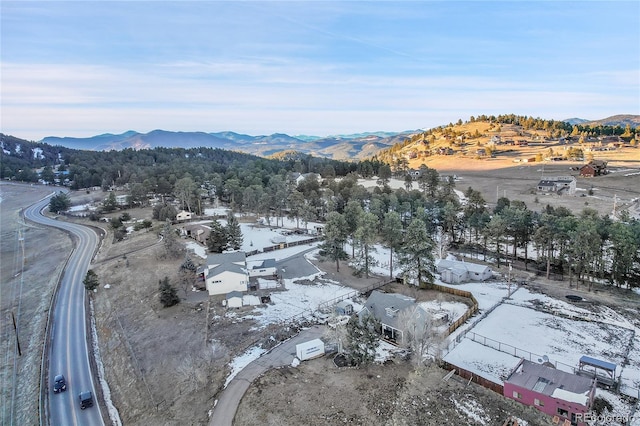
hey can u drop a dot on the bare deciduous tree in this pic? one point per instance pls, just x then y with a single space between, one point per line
422 336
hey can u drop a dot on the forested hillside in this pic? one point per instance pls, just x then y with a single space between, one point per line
418 221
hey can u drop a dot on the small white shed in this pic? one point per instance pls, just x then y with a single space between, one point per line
234 299
309 350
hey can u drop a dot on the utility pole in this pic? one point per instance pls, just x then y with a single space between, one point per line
509 280
15 329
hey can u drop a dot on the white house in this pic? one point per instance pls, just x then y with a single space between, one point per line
226 272
558 184
456 271
262 268
305 176
183 215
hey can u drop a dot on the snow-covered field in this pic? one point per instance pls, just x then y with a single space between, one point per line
533 325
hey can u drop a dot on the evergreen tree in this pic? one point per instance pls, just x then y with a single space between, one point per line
365 237
217 240
110 204
392 236
59 203
352 214
171 246
415 257
91 281
168 294
164 212
335 236
362 339
187 274
234 233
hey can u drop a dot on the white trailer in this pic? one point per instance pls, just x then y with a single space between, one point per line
309 350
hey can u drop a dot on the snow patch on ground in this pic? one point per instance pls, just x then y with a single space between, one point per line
473 410
386 350
241 361
301 296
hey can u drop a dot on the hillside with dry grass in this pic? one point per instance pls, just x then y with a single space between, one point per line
510 140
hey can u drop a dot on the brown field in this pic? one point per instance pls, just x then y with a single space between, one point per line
501 177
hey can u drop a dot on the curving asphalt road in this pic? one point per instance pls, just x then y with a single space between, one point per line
69 351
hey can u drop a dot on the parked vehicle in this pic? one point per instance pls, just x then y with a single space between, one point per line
86 399
59 384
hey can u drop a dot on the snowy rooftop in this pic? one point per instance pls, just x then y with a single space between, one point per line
551 381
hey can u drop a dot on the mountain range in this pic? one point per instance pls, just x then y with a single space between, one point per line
339 147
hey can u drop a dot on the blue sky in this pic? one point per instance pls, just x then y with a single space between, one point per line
81 68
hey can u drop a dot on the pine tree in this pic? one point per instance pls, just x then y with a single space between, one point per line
187 274
217 240
364 239
335 236
59 203
168 294
234 233
110 204
362 339
415 256
91 281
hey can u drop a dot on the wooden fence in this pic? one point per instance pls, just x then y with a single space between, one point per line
468 375
470 312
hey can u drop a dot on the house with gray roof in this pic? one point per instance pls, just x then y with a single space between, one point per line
457 271
394 311
226 272
559 185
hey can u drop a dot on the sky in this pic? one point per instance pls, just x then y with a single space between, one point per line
83 68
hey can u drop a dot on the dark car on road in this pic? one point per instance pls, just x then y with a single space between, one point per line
59 384
86 399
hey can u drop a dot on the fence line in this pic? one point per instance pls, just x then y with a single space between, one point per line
325 305
468 314
466 374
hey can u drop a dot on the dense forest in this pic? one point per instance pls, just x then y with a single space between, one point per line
418 222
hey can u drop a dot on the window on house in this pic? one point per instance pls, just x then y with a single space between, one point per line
562 412
538 402
517 395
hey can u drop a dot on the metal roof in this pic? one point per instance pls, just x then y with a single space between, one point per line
545 380
598 363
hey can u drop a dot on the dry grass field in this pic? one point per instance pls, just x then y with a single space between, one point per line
502 177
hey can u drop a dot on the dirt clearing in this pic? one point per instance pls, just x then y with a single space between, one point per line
317 393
